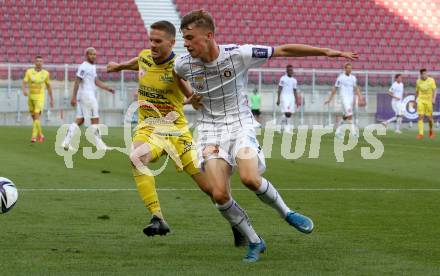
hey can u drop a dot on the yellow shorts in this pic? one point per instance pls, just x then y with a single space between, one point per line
424 108
35 105
180 148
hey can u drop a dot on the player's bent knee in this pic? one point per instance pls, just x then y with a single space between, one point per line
139 160
220 196
250 181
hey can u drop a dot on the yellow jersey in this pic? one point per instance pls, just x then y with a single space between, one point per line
37 80
159 97
425 88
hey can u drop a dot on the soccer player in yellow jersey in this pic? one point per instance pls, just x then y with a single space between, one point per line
37 79
162 126
425 96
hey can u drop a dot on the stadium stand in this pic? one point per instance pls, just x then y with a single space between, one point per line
61 30
381 34
388 34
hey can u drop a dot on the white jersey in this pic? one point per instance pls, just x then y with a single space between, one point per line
288 84
397 90
87 87
222 83
346 85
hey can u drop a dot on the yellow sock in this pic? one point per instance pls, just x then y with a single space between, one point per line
147 190
420 124
34 129
38 125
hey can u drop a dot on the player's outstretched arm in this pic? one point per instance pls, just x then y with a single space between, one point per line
131 64
101 85
279 93
73 101
358 91
332 94
49 91
417 91
23 88
302 50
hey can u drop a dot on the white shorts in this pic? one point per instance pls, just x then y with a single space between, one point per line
87 109
347 106
397 107
227 146
287 104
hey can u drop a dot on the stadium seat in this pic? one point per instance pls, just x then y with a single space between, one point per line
375 31
63 29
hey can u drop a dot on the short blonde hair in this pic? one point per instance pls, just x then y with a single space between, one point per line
89 49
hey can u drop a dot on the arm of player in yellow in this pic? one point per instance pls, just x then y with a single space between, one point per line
302 50
358 92
23 84
49 90
131 64
417 89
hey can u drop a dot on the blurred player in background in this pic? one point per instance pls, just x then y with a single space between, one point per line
38 80
396 93
84 98
226 134
159 97
425 96
288 98
347 85
255 101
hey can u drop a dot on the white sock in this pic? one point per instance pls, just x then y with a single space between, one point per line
352 127
70 132
391 120
283 122
340 124
97 134
269 195
238 218
398 123
289 124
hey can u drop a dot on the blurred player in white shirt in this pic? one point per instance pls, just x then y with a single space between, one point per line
226 134
288 98
396 93
84 98
347 85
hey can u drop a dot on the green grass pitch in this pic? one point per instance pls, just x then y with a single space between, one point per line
372 217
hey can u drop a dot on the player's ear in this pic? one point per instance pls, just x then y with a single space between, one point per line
210 35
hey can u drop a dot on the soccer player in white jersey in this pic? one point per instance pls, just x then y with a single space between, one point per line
287 98
84 98
347 85
226 136
396 93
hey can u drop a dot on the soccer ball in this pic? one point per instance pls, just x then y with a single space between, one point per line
8 195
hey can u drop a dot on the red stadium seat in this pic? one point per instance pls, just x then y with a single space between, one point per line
61 30
384 39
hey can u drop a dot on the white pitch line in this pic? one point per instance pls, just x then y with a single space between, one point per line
195 189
